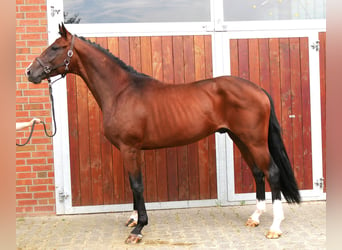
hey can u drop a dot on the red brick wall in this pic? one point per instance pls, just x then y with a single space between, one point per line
34 162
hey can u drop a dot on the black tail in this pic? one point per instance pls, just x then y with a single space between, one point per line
288 184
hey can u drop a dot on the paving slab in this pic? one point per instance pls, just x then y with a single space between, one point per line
304 227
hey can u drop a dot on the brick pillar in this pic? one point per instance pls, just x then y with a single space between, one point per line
34 162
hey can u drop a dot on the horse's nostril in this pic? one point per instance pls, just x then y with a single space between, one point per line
27 71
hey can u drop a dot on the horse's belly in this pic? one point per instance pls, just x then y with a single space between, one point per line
176 132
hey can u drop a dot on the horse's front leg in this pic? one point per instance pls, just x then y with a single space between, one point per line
133 219
132 163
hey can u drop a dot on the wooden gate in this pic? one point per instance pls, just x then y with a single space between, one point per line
184 173
280 66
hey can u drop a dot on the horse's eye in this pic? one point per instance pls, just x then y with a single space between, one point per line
54 47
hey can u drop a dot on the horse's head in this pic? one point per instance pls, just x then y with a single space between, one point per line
54 60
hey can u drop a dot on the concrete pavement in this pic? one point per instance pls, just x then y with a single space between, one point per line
304 227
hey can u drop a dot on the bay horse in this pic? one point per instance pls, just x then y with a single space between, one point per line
137 115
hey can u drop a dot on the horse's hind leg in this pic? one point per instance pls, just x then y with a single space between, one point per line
259 178
266 164
278 213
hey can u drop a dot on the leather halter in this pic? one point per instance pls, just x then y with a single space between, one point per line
66 62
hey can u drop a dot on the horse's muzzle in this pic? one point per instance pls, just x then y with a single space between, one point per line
35 78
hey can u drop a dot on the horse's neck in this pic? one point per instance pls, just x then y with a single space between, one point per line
103 76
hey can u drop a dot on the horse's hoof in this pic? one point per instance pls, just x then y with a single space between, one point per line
273 234
133 239
252 223
131 223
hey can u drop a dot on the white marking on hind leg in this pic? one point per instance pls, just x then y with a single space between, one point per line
261 208
278 216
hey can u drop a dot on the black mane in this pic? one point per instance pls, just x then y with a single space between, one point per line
123 65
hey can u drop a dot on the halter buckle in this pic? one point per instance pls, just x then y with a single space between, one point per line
70 53
47 69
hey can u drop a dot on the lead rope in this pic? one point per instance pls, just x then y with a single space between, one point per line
53 118
47 70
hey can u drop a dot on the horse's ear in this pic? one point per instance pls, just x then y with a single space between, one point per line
62 30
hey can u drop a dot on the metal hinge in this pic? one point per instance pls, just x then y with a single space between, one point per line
62 196
315 46
320 182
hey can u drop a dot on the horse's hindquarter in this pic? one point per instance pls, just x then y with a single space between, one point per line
246 108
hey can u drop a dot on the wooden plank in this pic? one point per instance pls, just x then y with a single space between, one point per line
107 168
83 142
118 168
234 54
113 45
160 154
146 55
265 72
286 96
119 177
95 150
95 147
167 59
253 71
73 140
189 59
208 57
247 180
157 59
306 113
171 153
182 154
234 68
275 89
178 59
253 61
275 75
135 62
322 63
150 162
264 53
211 139
199 55
135 53
296 90
203 154
124 55
243 58
106 151
212 167
189 70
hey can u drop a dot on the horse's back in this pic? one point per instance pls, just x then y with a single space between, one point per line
184 113
164 115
